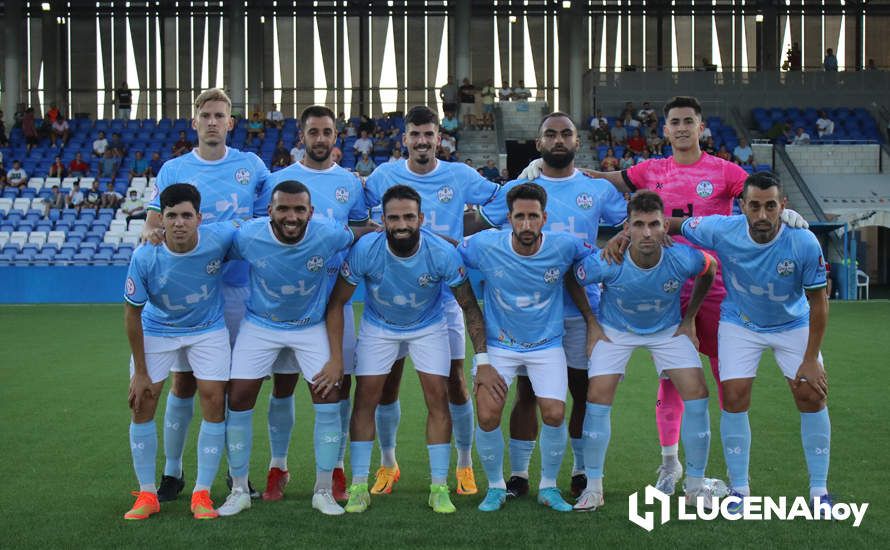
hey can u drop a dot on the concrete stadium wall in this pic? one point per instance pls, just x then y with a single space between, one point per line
835 159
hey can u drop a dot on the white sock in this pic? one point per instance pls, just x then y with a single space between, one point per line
323 480
464 458
499 484
339 465
200 488
388 457
818 491
595 485
694 483
438 480
546 483
359 479
240 483
744 490
148 488
279 462
523 474
669 457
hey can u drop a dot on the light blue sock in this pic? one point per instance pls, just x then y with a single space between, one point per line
735 434
490 446
520 456
597 432
326 436
211 442
281 425
553 447
440 461
695 430
177 418
815 433
239 439
345 409
144 448
360 460
462 426
578 455
387 418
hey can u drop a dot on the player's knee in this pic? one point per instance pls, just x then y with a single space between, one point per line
184 385
553 414
736 398
489 416
807 399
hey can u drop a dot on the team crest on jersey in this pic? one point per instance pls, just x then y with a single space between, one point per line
342 195
584 201
671 285
785 267
445 194
344 270
242 176
425 280
315 263
581 273
213 267
551 275
131 286
704 189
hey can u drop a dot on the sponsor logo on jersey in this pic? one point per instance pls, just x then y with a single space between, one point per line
315 263
704 189
584 201
551 275
671 285
242 176
445 194
213 267
785 267
342 195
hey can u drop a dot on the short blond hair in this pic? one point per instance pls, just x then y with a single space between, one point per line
212 94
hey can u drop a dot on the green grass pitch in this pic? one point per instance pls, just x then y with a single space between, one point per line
66 471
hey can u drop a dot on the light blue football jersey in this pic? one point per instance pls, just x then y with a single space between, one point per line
443 192
229 190
638 300
336 194
523 294
180 292
404 294
577 205
288 282
765 283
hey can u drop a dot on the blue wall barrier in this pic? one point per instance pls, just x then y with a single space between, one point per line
88 284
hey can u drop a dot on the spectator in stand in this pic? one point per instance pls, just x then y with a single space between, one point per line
4 141
830 62
490 171
724 153
630 122
117 146
29 129
182 145
627 160
601 135
793 58
110 198
654 141
363 144
709 146
521 93
17 176
824 125
365 165
51 115
124 101
706 65
447 145
449 94
610 162
57 168
488 94
503 178
599 119
60 131
618 133
341 123
141 167
336 154
742 154
75 198
274 118
255 129
77 167
637 142
2 178
108 165
469 162
871 66
644 112
505 93
100 145
56 201
134 207
801 137
396 155
297 152
154 165
467 104
366 125
281 155
644 156
93 196
382 144
449 124
705 133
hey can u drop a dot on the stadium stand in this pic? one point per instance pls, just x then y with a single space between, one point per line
850 125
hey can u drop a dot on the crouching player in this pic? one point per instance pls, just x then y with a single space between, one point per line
174 313
641 308
524 269
403 270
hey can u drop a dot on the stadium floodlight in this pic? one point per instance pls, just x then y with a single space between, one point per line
566 4
758 18
512 18
45 6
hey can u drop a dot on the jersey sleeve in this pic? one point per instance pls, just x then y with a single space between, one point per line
703 231
735 177
162 181
495 211
358 212
813 261
637 176
263 175
353 268
614 210
135 288
374 188
235 248
590 270
479 189
694 261
453 271
342 237
469 251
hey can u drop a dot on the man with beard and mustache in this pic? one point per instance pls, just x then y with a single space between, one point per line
337 194
406 271
287 253
229 181
524 269
444 187
577 205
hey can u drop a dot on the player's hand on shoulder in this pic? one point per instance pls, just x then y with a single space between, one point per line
613 252
152 235
488 379
792 218
532 171
328 378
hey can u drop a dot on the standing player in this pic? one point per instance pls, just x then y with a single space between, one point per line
641 308
337 195
576 206
229 181
405 271
174 312
524 269
444 187
775 299
287 253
